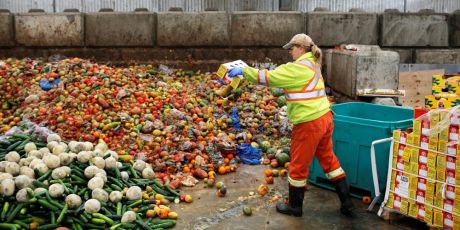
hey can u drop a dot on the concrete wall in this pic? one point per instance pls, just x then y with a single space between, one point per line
330 29
441 56
144 34
39 29
193 29
120 29
415 30
6 29
265 29
455 29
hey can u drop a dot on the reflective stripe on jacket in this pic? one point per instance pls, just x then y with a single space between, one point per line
302 83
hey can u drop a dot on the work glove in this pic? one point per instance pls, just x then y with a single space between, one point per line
235 72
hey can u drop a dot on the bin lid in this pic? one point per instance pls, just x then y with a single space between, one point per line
373 114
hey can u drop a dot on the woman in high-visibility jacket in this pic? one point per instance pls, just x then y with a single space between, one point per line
308 110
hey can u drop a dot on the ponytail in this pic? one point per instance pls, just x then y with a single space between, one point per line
317 53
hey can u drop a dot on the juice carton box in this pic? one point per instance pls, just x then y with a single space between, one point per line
438 81
438 218
448 220
428 215
413 209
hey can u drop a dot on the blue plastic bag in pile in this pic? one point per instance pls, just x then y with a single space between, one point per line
235 119
248 154
47 85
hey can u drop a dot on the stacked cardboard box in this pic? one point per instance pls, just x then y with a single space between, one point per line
421 175
445 92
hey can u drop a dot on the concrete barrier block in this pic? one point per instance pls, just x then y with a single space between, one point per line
120 29
439 56
45 29
405 55
349 71
6 29
265 28
193 29
330 29
455 29
414 30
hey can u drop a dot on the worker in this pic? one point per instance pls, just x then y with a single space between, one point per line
309 111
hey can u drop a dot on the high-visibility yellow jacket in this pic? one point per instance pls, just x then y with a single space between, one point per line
303 87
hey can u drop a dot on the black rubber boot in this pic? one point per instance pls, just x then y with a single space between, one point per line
294 207
341 187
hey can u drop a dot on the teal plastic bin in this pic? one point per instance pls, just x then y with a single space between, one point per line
356 126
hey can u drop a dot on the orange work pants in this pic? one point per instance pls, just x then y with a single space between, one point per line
309 139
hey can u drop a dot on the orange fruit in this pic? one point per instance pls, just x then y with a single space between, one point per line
186 170
268 172
269 180
222 170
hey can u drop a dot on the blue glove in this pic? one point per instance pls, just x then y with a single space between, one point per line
235 72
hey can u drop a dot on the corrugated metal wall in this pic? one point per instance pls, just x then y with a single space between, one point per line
17 6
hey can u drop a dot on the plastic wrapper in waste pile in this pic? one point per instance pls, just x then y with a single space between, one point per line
28 127
248 154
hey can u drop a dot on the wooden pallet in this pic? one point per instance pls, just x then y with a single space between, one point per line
391 215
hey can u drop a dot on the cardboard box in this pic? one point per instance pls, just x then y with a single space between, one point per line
451 177
390 200
414 168
396 202
440 101
420 197
413 210
438 218
414 156
432 157
413 187
442 146
429 215
438 81
455 119
441 174
437 90
417 127
404 206
406 154
396 134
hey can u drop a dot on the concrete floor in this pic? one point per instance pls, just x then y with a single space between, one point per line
320 207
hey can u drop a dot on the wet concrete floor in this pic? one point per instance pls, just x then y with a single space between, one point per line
321 207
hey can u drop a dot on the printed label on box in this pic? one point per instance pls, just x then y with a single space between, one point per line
453 133
450 162
403 138
401 150
424 142
421 184
448 220
423 170
403 187
421 212
452 149
450 176
423 156
397 202
450 192
448 205
400 164
420 197
455 119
